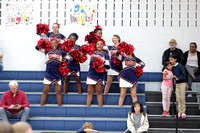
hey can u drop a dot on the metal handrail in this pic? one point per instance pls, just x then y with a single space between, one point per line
175 106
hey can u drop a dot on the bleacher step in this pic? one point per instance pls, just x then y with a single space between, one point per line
34 86
81 99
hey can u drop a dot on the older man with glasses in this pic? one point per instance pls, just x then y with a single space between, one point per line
171 51
14 104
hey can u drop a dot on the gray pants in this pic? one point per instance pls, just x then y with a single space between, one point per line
191 70
23 114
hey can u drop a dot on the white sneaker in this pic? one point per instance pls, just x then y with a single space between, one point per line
189 95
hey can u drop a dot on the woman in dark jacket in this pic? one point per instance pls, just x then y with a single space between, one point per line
192 63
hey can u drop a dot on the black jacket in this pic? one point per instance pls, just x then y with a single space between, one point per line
198 58
178 53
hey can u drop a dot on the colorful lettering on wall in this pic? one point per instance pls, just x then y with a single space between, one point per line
19 13
84 14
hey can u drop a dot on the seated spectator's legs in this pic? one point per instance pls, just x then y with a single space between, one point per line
3 114
23 114
191 74
1 67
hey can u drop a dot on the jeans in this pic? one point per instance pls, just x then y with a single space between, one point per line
191 70
23 114
1 67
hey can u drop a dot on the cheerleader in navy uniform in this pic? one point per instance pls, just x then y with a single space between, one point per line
54 57
95 79
54 34
74 67
114 69
128 78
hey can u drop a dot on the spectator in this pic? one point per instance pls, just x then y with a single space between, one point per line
14 104
172 50
137 121
180 76
87 128
1 60
22 127
6 127
192 63
167 87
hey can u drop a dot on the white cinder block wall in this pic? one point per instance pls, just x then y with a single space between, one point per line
147 24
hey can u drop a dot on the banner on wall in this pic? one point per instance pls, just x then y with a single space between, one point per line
19 13
84 14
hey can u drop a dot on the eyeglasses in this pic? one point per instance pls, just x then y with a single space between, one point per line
172 42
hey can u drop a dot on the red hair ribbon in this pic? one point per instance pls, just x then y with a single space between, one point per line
98 27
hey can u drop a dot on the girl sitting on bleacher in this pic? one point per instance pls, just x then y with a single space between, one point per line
137 121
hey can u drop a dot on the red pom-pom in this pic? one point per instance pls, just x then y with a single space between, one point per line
59 46
126 48
76 55
96 64
98 27
92 37
88 49
67 45
63 68
138 71
44 44
82 58
42 28
104 42
116 61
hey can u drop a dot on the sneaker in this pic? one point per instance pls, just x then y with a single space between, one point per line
196 80
189 88
179 115
189 95
164 113
184 116
167 113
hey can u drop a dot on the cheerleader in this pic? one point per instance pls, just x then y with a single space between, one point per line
128 78
95 79
74 68
114 69
52 76
54 34
98 31
91 38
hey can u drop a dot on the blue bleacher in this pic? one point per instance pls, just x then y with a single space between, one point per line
74 112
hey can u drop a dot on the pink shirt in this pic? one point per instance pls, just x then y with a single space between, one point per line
169 75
